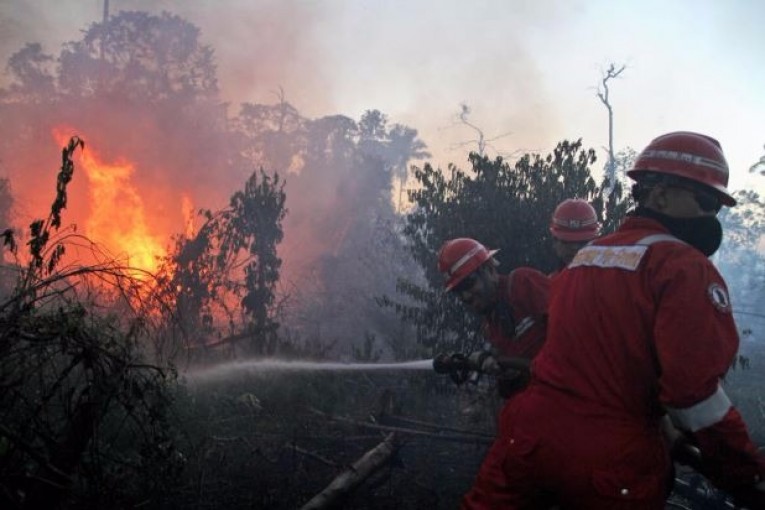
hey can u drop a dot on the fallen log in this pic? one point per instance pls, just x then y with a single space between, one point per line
348 480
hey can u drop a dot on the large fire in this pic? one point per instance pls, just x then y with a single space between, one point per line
116 220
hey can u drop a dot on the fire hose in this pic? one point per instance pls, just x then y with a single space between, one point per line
459 366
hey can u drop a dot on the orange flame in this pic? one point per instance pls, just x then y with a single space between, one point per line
117 220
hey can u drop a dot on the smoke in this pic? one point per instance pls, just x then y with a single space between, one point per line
414 61
328 58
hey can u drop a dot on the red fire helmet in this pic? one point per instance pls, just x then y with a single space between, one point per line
689 155
574 220
459 257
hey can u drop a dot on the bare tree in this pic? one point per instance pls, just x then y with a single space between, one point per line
481 141
603 94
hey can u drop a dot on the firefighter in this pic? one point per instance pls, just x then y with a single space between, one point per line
574 224
513 307
640 325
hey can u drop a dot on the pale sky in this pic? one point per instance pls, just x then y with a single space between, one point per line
525 67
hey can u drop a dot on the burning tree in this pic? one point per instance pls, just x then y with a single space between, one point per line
83 414
138 85
144 86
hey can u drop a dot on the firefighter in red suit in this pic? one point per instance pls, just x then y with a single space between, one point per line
513 307
514 312
640 329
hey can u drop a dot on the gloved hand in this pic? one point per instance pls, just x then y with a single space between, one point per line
510 382
455 365
684 452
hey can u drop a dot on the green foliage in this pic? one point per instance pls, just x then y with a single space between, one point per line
615 205
232 265
506 208
255 224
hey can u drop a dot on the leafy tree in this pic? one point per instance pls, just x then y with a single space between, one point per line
504 207
396 146
139 56
229 270
272 136
613 210
32 75
255 224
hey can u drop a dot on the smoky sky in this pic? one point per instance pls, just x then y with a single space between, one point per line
412 62
258 45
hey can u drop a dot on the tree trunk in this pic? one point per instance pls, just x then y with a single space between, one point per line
352 477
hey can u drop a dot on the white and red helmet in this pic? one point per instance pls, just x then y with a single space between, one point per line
692 156
574 220
459 257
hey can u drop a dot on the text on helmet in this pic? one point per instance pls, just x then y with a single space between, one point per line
686 158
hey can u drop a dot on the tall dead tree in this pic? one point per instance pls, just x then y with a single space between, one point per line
603 94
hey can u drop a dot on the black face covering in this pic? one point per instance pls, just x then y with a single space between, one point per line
703 233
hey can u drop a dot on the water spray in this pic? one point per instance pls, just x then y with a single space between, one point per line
268 365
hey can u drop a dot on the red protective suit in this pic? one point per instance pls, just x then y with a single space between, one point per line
633 330
516 326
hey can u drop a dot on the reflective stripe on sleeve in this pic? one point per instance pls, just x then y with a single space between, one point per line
655 238
523 326
700 416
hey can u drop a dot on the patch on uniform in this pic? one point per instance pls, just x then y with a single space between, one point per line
620 257
719 297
